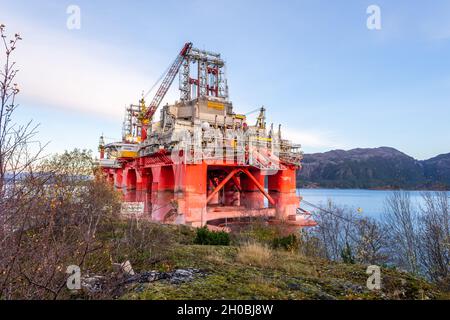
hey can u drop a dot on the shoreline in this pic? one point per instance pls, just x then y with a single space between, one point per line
372 189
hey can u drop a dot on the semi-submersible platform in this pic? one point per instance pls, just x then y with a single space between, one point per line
202 163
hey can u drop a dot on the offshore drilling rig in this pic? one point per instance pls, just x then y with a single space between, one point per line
201 163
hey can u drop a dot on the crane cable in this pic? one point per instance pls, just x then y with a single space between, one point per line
157 81
327 211
253 111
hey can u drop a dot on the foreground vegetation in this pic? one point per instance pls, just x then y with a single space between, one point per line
254 262
56 217
252 270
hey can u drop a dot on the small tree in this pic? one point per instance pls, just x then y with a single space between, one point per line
335 229
16 141
342 235
435 237
60 215
18 153
369 242
401 222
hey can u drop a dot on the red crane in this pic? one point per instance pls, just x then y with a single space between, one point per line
163 88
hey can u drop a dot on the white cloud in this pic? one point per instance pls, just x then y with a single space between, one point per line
60 70
439 33
312 140
435 26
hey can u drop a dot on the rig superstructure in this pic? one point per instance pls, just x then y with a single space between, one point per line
201 163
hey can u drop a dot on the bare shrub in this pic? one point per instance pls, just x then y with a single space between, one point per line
401 222
434 233
342 235
57 219
335 227
19 149
311 245
50 211
369 241
141 242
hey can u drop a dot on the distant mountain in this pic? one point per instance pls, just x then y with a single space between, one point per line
438 169
377 168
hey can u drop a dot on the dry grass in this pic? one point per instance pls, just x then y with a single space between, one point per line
255 254
216 258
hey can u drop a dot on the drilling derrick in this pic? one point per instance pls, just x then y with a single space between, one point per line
201 163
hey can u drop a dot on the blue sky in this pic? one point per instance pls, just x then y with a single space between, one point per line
330 81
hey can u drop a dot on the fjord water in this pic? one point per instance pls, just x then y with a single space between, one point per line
371 202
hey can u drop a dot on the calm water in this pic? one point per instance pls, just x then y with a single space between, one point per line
370 201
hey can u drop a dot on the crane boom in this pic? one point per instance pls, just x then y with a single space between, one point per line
164 87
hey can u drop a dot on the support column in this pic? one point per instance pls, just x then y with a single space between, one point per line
146 190
190 193
130 181
118 180
167 179
162 192
282 188
130 178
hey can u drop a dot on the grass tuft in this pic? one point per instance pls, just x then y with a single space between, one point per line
255 254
